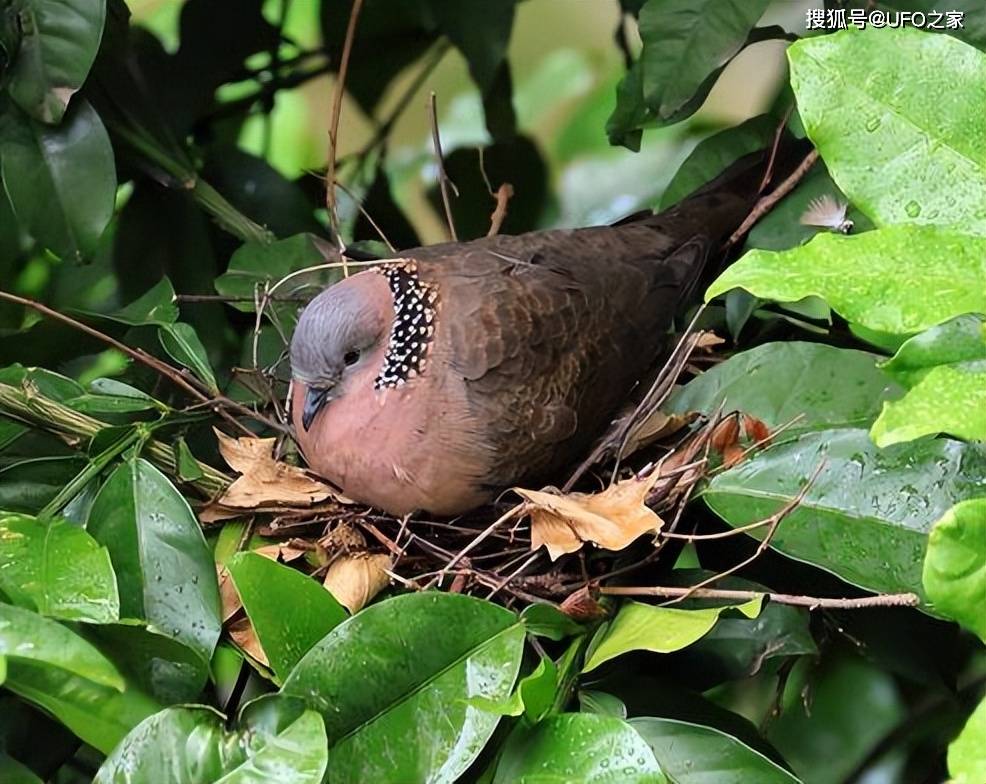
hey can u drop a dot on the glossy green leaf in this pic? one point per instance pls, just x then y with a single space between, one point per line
418 659
948 399
819 385
589 748
533 697
155 306
905 141
27 636
693 754
711 156
56 569
592 701
955 565
899 279
159 750
546 620
59 39
46 168
164 568
961 339
27 485
867 515
966 761
646 627
182 343
290 611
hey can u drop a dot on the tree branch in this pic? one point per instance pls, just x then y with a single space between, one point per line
811 602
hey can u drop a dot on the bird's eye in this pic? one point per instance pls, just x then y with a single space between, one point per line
351 357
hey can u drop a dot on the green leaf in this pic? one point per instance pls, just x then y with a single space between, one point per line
592 701
589 748
58 44
159 750
778 382
546 620
188 467
867 515
56 569
46 168
13 772
645 627
99 715
955 565
966 762
418 659
27 636
948 399
164 568
28 485
532 698
961 339
182 343
900 279
693 754
290 611
712 155
685 41
904 142
154 306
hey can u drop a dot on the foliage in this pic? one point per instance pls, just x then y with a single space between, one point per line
157 193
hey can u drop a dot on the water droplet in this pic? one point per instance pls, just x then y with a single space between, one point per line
912 208
872 124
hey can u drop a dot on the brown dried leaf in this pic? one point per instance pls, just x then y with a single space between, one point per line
263 480
732 455
582 606
707 339
611 519
242 633
355 579
756 430
725 434
228 597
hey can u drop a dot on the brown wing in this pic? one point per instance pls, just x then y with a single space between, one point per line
551 330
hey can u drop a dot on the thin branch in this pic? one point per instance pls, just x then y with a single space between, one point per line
217 403
193 298
769 171
330 176
474 543
503 196
811 602
369 218
766 204
443 180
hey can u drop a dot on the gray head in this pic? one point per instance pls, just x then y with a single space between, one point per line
337 335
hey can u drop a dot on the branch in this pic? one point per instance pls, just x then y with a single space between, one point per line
33 408
330 175
443 180
503 195
811 602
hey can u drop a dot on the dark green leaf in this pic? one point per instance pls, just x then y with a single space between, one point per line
418 659
188 467
13 772
693 754
164 568
920 92
820 385
46 168
290 611
29 637
867 515
713 154
546 620
56 569
154 306
955 565
591 701
27 486
158 750
640 626
586 747
182 343
900 279
58 45
99 715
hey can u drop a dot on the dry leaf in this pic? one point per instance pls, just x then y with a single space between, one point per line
725 434
732 454
611 519
756 430
228 597
355 579
582 606
707 339
242 633
657 425
263 480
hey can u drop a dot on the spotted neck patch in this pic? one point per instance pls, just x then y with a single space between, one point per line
414 316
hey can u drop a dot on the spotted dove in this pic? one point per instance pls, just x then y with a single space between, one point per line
437 379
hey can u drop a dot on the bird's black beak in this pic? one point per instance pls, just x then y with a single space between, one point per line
315 398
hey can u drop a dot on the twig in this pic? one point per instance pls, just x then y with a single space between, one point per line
474 543
765 204
774 521
215 402
443 180
769 171
33 408
224 298
506 580
503 196
812 602
330 175
369 218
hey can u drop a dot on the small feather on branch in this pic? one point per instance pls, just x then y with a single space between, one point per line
827 212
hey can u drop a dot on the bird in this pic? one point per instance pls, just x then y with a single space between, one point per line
436 379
